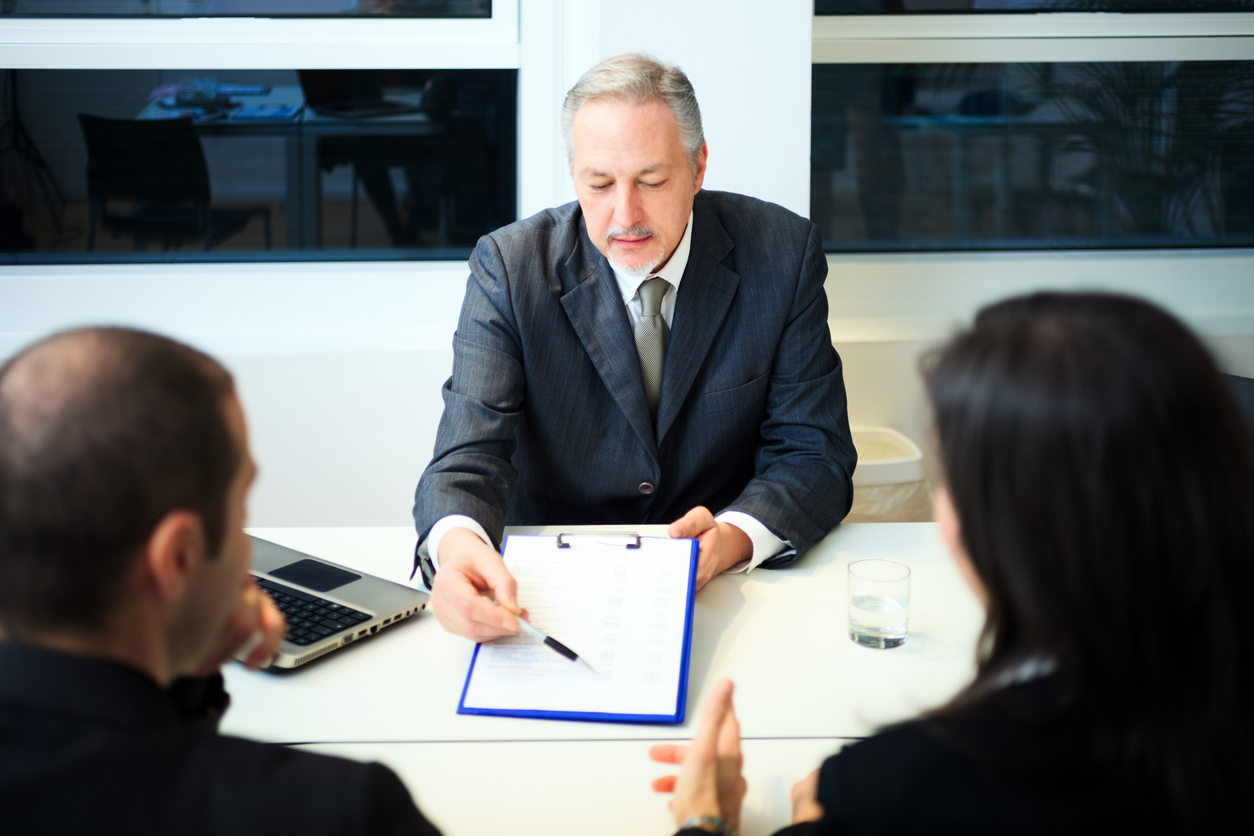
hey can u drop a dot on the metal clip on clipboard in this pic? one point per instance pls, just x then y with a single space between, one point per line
598 538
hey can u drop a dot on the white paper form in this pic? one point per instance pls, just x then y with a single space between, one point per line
624 610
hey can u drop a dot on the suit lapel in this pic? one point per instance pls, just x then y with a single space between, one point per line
596 312
705 295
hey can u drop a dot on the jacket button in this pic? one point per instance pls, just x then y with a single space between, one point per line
646 488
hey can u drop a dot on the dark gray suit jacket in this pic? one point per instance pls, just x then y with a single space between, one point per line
545 419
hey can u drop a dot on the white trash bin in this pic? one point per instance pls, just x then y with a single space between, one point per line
889 484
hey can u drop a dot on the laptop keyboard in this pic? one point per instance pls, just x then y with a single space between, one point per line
310 619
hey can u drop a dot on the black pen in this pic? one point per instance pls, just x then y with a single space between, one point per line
552 642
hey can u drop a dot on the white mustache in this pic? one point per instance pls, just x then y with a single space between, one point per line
633 232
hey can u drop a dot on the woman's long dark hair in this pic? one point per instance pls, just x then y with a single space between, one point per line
1104 486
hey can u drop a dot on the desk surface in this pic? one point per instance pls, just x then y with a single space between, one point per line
781 635
305 119
574 787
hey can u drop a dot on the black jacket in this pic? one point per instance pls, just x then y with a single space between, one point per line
89 746
1012 763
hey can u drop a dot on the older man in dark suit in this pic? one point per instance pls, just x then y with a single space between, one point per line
651 353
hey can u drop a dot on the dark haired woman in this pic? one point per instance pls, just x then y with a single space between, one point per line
1099 499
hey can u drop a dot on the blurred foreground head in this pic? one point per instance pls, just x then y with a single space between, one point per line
103 432
1103 482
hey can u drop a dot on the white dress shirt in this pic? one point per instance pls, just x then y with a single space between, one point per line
765 544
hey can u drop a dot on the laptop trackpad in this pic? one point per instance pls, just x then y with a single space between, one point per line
314 575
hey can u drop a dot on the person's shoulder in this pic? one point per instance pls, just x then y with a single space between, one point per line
272 767
739 212
1018 728
765 236
549 227
282 787
908 747
199 783
989 769
902 778
523 255
762 242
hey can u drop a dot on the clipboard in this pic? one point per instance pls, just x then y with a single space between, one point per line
642 665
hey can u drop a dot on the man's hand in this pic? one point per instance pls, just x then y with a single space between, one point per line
805 804
710 783
256 628
722 546
469 570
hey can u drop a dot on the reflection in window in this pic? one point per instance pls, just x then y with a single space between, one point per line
875 7
978 156
289 165
247 8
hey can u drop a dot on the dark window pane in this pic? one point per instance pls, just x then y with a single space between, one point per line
897 7
247 8
1005 156
272 165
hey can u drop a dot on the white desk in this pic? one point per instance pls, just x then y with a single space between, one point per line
550 788
781 635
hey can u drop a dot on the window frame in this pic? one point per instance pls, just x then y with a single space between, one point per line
1053 37
295 307
909 296
240 43
264 43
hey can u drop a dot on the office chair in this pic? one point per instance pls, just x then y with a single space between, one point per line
159 166
369 157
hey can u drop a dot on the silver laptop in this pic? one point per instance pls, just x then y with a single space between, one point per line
327 606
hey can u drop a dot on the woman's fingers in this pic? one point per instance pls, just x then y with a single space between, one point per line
729 734
710 729
667 753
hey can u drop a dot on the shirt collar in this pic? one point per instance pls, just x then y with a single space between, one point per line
94 689
672 272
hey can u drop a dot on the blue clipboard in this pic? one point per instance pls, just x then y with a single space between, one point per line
681 698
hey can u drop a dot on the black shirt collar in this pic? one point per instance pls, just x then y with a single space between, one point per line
96 690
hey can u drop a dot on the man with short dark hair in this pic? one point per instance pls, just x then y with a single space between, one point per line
124 585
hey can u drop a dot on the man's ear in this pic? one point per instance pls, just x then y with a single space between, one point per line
174 553
702 156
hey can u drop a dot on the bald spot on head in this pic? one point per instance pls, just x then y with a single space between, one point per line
42 384
103 431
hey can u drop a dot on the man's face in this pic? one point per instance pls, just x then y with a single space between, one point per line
634 181
224 577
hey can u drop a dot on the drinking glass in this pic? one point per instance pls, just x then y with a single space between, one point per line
879 603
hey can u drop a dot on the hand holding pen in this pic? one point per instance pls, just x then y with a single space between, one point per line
471 576
525 626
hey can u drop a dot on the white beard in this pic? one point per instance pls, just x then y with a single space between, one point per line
636 272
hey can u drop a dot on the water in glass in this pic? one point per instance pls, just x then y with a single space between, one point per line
878 620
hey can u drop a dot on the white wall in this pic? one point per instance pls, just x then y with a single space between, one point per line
749 63
886 311
340 437
339 366
909 296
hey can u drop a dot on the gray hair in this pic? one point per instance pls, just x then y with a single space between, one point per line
637 78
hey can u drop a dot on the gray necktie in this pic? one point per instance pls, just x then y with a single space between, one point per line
651 337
